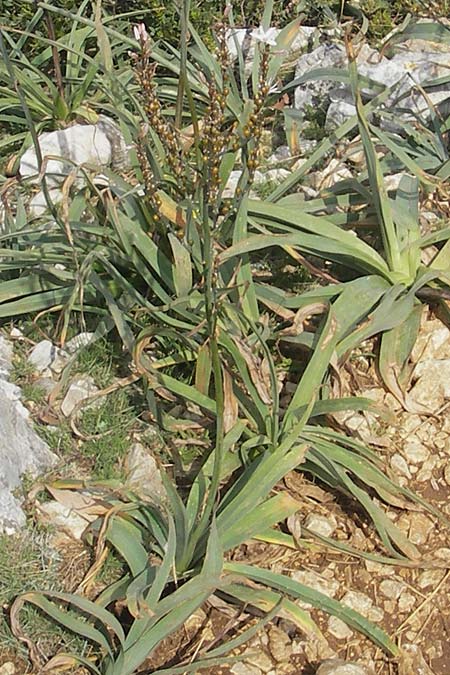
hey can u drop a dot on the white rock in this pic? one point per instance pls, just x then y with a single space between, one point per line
339 667
80 389
22 451
406 602
401 73
392 589
63 518
8 668
398 463
6 355
317 582
90 145
414 451
360 602
433 385
339 629
430 578
245 669
46 355
241 40
323 525
143 474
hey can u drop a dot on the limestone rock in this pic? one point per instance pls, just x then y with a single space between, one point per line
80 389
323 525
402 72
361 603
391 588
22 451
8 668
339 667
63 518
339 628
317 582
46 356
91 146
245 669
433 385
143 474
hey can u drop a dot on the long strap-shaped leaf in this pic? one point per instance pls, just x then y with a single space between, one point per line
319 600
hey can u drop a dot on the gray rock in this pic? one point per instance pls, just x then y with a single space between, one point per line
64 519
317 582
245 669
392 589
91 146
80 389
339 667
22 451
6 355
402 72
45 355
143 474
433 386
242 40
323 525
339 629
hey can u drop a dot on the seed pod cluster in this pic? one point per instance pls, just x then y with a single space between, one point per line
215 138
144 71
148 175
254 127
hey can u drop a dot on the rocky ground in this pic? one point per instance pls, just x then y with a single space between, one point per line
409 602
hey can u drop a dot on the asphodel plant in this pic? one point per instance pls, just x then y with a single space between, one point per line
164 257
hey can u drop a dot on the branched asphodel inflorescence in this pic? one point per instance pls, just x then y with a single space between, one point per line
255 124
144 70
215 137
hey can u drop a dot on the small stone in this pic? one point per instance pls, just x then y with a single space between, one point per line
245 669
63 518
421 528
339 667
406 602
430 578
391 588
415 452
413 661
15 333
339 629
80 389
360 602
398 463
323 525
432 388
317 582
143 474
46 355
279 645
443 554
261 660
8 668
375 614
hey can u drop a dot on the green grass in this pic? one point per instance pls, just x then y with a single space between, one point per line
27 563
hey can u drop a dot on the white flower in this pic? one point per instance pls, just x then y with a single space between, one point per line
140 33
268 37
